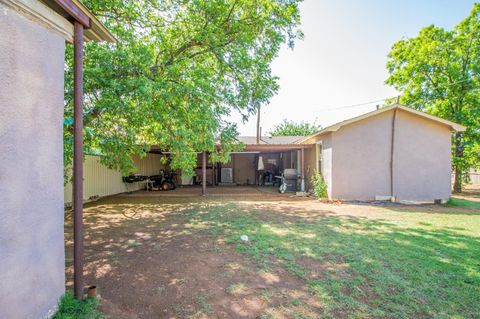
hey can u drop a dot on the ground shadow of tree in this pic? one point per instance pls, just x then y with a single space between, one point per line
140 249
150 261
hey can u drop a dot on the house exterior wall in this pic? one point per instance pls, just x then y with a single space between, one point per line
198 171
326 157
309 166
422 162
356 158
361 159
98 180
286 161
32 267
244 168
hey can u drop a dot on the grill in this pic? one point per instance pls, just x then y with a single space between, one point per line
291 178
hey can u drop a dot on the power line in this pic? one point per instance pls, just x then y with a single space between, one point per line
381 100
351 105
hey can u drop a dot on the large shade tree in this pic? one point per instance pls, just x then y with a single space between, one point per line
178 70
291 128
438 72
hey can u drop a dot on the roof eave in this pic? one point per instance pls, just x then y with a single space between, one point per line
453 126
97 32
328 129
459 128
335 127
74 10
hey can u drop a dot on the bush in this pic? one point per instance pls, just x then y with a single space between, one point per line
72 308
319 185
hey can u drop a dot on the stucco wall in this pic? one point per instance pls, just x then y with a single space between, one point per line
422 165
100 181
32 261
360 158
326 156
310 160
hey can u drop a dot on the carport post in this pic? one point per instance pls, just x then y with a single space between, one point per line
213 174
78 161
204 173
302 185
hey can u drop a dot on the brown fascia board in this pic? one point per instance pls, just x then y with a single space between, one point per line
275 147
252 148
74 10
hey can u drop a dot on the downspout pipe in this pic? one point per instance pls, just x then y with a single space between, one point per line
392 155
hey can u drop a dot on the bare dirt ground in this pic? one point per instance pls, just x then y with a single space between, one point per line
470 192
149 262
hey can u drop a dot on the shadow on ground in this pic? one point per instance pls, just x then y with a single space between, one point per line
180 258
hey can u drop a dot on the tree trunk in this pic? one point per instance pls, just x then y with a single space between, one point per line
457 186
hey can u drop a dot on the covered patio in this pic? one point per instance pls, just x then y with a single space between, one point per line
258 164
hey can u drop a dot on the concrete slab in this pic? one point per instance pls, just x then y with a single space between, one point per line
217 191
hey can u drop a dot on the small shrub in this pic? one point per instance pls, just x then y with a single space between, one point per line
319 185
72 308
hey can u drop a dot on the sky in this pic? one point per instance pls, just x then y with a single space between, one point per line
341 61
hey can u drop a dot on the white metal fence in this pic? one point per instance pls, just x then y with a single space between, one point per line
99 181
475 177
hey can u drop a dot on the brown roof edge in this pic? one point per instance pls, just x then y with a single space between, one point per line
275 147
97 31
75 12
332 128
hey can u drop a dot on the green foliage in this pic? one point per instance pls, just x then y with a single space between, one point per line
177 72
438 72
319 185
72 308
290 128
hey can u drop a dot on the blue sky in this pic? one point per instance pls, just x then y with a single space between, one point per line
342 59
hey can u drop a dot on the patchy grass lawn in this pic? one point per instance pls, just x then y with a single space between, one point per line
72 308
183 258
400 263
461 202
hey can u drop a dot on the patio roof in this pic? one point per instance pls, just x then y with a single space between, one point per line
269 148
266 140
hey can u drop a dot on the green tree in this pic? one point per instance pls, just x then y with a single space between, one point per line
291 128
438 72
178 70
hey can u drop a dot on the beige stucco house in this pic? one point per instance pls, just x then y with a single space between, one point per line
33 35
392 153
